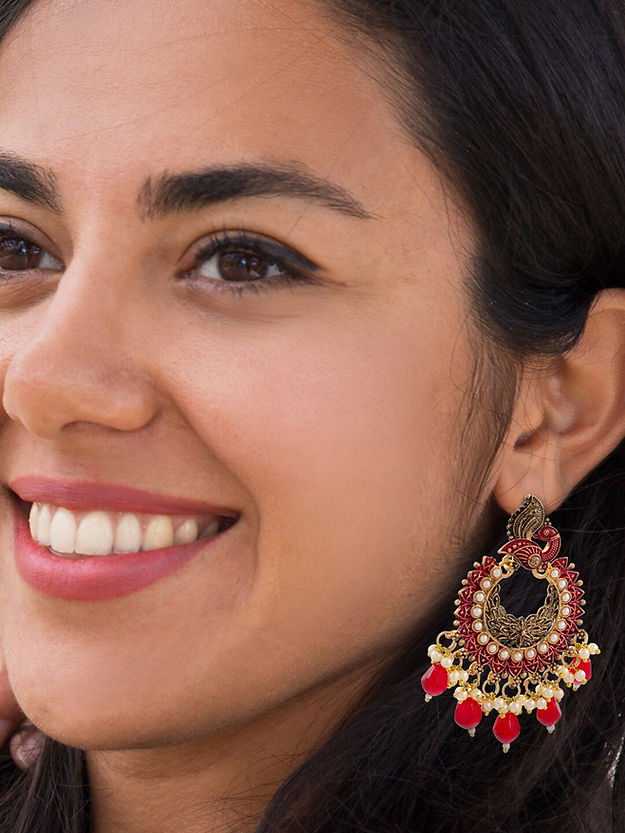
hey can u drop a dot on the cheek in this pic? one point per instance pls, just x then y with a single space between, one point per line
345 442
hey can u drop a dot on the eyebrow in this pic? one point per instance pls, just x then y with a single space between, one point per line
173 193
189 191
28 181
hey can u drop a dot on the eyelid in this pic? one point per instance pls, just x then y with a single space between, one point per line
12 227
279 252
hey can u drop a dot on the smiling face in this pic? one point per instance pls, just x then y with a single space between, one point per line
231 285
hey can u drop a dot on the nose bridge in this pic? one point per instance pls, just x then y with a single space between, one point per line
77 366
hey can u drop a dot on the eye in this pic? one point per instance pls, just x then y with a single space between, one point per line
239 266
18 254
240 260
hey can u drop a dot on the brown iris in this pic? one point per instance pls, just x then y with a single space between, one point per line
242 266
18 254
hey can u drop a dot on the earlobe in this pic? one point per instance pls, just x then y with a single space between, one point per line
569 414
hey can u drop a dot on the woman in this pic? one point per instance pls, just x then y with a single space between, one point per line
299 301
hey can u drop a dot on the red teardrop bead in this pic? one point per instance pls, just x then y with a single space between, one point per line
550 715
468 714
434 681
506 728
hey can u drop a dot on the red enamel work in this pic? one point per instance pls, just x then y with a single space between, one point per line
506 728
529 554
435 680
468 714
549 716
540 660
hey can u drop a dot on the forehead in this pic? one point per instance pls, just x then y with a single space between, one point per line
167 84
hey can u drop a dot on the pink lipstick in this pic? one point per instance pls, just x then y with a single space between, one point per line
96 578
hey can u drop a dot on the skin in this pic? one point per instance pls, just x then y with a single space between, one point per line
326 413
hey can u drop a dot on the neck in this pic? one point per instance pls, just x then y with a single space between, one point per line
216 784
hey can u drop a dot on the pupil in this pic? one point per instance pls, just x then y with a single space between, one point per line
241 266
16 254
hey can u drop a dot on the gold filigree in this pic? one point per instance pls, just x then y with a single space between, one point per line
527 519
520 631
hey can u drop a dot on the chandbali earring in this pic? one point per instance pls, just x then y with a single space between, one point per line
497 662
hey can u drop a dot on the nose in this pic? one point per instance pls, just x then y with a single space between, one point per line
77 367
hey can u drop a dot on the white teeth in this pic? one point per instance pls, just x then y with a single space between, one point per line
43 525
33 520
128 534
105 533
159 533
63 531
95 534
186 532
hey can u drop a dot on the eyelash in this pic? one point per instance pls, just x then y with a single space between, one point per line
225 241
221 242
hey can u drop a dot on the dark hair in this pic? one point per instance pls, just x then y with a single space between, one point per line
521 104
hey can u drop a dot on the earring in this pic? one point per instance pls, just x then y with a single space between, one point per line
502 663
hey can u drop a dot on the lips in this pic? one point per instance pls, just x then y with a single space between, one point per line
80 577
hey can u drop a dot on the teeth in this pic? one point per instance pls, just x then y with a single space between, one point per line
106 533
128 534
43 525
186 532
33 520
159 533
211 529
95 535
63 531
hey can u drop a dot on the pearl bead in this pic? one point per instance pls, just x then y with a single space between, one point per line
479 597
543 647
487 707
562 584
486 583
476 612
561 625
530 653
504 654
593 648
464 675
477 626
580 676
492 648
566 597
530 706
482 638
559 694
453 677
461 695
517 656
584 653
566 611
447 662
541 704
553 638
436 656
496 572
555 573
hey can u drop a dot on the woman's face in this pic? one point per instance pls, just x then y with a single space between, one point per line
232 284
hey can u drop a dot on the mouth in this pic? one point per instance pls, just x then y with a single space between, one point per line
97 532
88 542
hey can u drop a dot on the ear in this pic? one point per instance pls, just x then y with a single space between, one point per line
569 414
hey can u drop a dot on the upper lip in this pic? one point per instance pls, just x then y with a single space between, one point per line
85 495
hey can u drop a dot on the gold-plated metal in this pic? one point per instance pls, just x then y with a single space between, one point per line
506 663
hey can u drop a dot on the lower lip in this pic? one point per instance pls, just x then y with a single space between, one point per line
94 578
